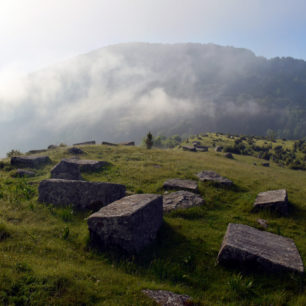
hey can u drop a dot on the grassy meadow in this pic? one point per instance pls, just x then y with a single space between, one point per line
46 258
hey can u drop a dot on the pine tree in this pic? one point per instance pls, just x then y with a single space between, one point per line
149 140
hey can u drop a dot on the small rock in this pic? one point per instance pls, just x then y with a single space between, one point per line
92 142
188 185
263 223
265 164
196 143
202 148
229 155
189 148
36 151
181 199
23 173
52 147
30 161
128 224
274 200
168 298
211 176
218 149
75 150
251 248
130 143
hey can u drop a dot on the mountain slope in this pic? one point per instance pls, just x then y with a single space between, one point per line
121 91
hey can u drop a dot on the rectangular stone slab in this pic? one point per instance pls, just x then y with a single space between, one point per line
30 161
88 165
80 194
91 142
180 184
276 200
128 224
251 248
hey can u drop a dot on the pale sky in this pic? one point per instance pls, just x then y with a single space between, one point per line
35 33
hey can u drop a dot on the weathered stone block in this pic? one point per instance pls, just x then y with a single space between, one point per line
129 224
168 298
109 143
274 200
211 176
129 143
92 142
181 199
66 170
86 165
250 248
30 161
189 148
188 185
80 194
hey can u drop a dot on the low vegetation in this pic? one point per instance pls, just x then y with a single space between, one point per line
46 258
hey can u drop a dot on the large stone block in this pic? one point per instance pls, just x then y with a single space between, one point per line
181 199
66 170
211 176
274 200
128 224
30 161
91 142
80 194
251 248
188 185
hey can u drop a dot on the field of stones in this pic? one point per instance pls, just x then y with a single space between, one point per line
106 224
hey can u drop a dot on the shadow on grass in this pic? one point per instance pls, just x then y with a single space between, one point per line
171 258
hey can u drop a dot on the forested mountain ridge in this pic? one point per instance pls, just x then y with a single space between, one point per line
122 91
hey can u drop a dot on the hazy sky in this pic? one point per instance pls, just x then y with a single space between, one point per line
35 33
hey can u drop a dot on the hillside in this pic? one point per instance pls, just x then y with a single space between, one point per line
118 92
46 258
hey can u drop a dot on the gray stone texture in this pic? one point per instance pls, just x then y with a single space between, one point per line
91 142
181 199
36 151
229 155
189 148
274 200
88 165
67 170
30 161
211 176
168 298
80 194
188 185
250 248
128 224
76 151
218 149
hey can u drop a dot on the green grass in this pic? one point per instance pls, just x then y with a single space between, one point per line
45 256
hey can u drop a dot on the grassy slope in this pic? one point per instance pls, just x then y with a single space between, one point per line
46 258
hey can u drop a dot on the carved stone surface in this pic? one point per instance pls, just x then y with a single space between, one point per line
30 161
66 170
80 194
211 176
128 224
275 200
188 185
168 298
181 199
251 248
